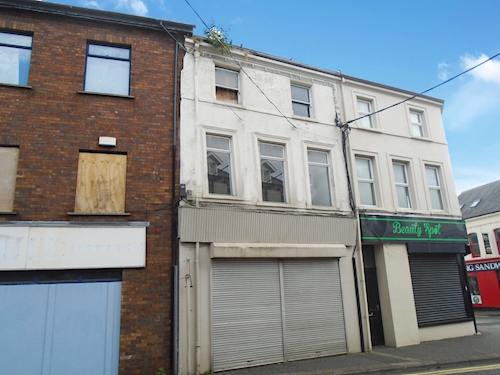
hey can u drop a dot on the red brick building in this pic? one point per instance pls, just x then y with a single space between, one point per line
88 182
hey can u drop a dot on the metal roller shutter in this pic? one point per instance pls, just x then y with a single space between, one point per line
314 316
246 313
437 289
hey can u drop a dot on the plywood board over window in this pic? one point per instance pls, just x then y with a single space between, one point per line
9 157
101 183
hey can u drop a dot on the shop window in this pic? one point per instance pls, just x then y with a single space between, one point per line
15 56
301 101
474 245
219 164
366 181
402 185
9 157
272 166
319 178
486 242
227 85
108 69
101 183
474 290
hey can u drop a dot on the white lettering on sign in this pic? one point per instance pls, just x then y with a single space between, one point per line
491 266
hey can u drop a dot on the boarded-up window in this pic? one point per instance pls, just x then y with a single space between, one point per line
8 171
101 183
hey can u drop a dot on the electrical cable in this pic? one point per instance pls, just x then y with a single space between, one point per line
423 92
241 67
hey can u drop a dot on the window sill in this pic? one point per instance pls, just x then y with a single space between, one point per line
274 204
302 118
426 139
375 130
8 213
17 86
106 94
98 214
222 197
229 104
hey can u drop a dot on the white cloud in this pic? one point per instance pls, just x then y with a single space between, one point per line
238 20
92 4
138 7
443 72
488 72
470 178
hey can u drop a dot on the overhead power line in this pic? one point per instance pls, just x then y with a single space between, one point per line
241 68
423 92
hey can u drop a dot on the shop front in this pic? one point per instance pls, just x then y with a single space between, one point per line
418 268
484 281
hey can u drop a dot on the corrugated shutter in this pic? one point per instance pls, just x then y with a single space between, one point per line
246 313
437 289
314 316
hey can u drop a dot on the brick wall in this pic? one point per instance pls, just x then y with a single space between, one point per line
52 122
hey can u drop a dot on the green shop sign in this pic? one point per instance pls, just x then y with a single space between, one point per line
376 228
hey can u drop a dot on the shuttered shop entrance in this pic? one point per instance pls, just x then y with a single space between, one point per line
437 289
269 311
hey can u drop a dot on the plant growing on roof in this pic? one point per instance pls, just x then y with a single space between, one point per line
217 37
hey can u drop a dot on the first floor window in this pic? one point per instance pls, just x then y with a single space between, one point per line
301 101
226 85
15 56
272 167
402 185
365 109
497 238
486 242
366 181
219 164
9 157
108 69
319 178
101 183
474 245
417 124
434 188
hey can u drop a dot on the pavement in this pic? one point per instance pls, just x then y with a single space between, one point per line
481 348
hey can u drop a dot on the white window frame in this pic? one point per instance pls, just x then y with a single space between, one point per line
102 83
284 166
418 126
306 104
226 87
14 47
366 120
438 187
231 161
403 185
328 175
371 181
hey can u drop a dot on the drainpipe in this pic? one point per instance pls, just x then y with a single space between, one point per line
198 309
188 287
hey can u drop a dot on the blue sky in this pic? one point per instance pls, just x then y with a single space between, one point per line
412 45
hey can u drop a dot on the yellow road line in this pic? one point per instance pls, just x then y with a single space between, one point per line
458 370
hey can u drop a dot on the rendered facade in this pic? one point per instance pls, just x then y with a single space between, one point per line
481 212
88 109
268 199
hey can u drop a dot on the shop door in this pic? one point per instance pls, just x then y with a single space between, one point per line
374 311
60 329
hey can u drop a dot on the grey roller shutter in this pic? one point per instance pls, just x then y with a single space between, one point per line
246 313
314 316
437 289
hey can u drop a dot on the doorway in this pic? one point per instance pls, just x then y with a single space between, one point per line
374 311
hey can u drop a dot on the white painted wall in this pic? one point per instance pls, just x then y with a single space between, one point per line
399 316
484 224
391 140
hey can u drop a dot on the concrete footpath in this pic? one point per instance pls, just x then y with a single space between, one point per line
481 348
